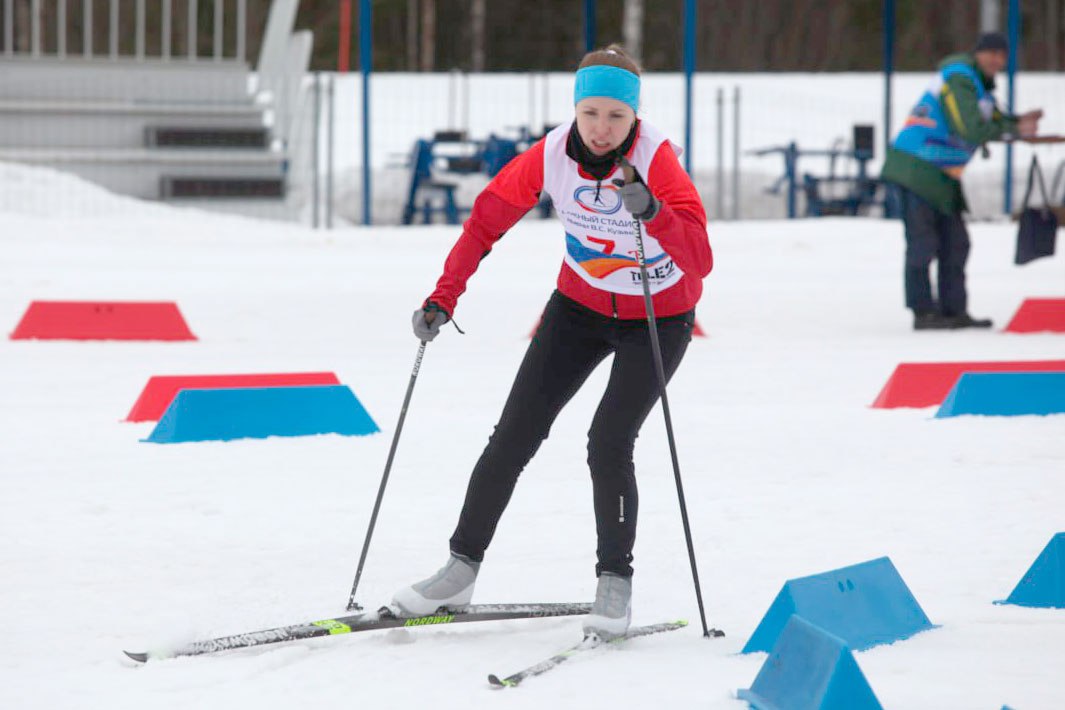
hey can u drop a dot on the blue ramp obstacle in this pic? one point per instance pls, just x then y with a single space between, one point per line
866 604
1043 585
1006 394
258 412
810 669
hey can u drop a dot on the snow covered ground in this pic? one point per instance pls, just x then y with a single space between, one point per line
109 543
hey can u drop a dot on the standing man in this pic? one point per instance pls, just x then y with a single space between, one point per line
954 117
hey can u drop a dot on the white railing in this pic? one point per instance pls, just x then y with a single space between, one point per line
66 20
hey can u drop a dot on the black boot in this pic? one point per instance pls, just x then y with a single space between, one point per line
967 321
929 320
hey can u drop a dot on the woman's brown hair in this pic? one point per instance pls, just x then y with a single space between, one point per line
614 56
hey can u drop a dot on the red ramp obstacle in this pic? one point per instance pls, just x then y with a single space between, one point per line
1039 315
925 384
102 320
161 389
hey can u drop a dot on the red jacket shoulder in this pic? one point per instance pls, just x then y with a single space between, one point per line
521 180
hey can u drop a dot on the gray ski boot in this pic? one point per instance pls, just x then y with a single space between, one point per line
451 586
612 610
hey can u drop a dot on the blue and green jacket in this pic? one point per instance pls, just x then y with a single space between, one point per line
952 119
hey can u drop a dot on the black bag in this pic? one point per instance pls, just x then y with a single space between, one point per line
1038 228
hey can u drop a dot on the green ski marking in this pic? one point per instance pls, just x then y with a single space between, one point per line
430 620
334 626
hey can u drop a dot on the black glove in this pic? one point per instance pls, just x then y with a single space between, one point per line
428 320
638 200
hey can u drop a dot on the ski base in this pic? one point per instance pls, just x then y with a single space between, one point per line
384 618
589 643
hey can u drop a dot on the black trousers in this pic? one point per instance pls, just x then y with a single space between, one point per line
934 236
569 343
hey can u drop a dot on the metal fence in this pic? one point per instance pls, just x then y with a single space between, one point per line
167 100
75 21
734 116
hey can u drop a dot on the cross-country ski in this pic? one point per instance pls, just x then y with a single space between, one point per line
590 642
384 618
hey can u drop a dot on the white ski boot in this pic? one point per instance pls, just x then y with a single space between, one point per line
451 586
612 610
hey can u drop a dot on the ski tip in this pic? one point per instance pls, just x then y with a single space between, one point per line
497 682
137 656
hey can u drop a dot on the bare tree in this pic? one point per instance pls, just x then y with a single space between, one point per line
1053 30
477 22
412 35
428 34
21 26
830 35
632 28
989 12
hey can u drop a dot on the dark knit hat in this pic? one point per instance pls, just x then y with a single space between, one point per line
994 41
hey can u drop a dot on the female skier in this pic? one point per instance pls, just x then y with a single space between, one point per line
597 309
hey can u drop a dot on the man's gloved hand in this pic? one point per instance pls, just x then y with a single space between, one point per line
428 320
638 200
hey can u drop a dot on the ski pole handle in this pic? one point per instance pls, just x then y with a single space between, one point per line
628 170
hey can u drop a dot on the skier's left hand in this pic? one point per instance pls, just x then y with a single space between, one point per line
638 200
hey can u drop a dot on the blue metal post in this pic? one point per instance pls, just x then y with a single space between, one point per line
365 67
589 25
791 158
689 70
1014 28
889 67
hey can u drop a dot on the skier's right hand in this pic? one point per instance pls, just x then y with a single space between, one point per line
428 320
638 200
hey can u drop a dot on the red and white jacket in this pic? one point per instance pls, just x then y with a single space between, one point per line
599 269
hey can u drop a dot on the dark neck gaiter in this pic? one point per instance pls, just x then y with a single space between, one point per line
598 166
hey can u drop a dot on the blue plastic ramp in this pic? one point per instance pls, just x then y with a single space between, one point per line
1006 394
258 412
810 669
866 605
1043 585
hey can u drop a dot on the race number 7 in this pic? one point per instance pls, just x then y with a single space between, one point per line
608 244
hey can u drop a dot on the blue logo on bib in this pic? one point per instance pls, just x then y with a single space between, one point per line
602 200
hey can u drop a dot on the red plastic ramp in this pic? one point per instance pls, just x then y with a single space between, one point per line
102 320
161 389
924 384
1039 315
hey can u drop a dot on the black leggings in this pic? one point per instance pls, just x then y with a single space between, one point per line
569 343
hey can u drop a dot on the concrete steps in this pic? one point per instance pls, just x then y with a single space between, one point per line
125 80
140 172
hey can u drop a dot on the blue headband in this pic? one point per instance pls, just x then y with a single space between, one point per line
609 81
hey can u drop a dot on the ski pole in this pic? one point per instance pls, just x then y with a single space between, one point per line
656 352
352 605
